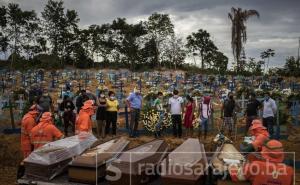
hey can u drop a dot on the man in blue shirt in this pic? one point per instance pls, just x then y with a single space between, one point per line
134 103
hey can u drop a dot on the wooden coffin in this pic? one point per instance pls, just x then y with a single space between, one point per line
91 165
138 165
187 164
45 172
52 159
224 153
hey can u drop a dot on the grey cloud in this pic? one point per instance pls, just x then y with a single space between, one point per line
277 28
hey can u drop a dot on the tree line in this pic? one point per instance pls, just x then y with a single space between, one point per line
55 39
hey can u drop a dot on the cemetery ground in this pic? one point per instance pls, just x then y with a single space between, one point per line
10 154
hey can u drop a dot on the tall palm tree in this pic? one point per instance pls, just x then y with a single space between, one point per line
238 19
267 54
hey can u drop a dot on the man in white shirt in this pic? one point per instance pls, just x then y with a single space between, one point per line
269 111
175 108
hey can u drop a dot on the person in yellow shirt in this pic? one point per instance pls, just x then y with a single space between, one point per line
112 113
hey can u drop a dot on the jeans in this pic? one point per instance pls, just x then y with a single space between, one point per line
269 123
134 121
204 125
177 125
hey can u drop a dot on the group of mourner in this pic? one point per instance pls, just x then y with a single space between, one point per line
38 126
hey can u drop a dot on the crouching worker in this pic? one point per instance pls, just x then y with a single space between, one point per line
271 171
45 132
84 120
27 123
259 134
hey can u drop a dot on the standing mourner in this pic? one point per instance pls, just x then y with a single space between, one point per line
101 114
189 115
269 111
253 106
134 102
227 113
112 113
68 93
45 101
34 93
83 97
67 106
28 122
158 105
205 110
176 107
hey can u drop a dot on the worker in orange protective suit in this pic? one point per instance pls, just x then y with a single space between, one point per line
271 171
84 121
260 135
27 123
45 132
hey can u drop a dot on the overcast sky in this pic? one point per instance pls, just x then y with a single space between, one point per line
278 27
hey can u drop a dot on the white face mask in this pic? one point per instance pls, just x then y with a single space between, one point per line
102 95
112 97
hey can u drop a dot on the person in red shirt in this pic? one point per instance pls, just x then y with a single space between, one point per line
84 121
45 132
270 171
27 123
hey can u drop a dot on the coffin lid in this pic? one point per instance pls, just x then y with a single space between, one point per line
190 155
62 149
101 153
150 153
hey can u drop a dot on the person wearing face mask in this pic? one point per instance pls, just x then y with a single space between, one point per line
84 120
68 93
252 108
68 107
227 113
45 131
101 114
175 108
45 101
112 113
269 111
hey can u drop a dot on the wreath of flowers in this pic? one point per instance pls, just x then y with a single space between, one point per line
150 119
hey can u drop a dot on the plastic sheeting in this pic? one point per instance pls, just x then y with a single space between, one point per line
61 150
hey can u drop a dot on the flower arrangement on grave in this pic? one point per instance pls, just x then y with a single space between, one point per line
150 96
196 92
276 94
196 122
243 90
150 119
293 96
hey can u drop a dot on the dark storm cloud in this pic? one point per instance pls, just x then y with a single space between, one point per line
277 28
